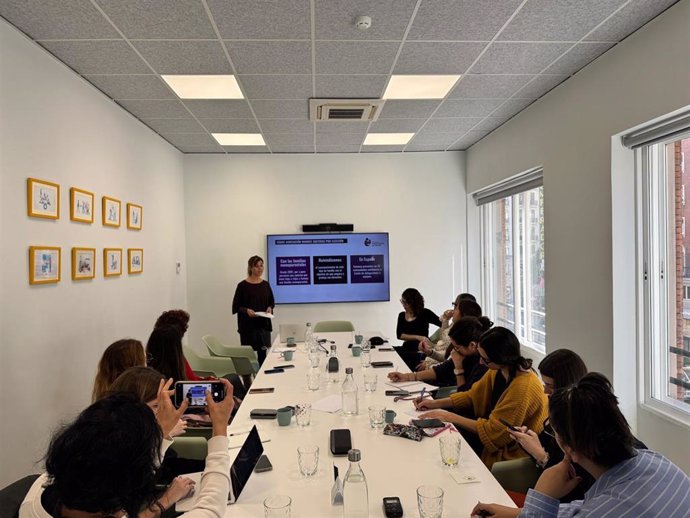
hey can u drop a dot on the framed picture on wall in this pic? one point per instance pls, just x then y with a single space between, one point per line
83 263
43 199
135 260
111 212
44 264
112 262
80 205
134 215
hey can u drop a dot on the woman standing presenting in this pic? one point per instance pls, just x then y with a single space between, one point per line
251 296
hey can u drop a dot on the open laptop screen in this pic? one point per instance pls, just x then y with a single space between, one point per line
244 464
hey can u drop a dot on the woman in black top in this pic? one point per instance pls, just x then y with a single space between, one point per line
251 296
413 325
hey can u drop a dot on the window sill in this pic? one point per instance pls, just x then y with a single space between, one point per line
667 413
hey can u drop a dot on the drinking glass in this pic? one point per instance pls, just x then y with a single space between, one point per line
370 380
430 501
313 378
277 506
365 358
303 414
450 449
308 459
377 415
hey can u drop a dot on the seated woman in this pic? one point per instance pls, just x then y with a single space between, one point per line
116 359
413 325
463 367
164 353
509 391
105 462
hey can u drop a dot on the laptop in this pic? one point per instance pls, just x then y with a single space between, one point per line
296 331
240 471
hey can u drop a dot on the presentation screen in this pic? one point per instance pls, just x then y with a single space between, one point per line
310 268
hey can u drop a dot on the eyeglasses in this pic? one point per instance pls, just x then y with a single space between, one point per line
548 430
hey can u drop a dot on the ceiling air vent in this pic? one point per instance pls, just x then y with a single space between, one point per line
345 109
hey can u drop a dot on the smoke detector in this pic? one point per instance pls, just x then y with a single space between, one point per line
363 22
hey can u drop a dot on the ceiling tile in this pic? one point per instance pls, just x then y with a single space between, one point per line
461 20
264 86
281 109
359 86
131 86
352 127
246 149
230 125
489 86
289 139
381 149
264 20
490 124
169 126
292 149
184 57
155 109
450 125
98 57
467 108
427 138
579 56
557 20
219 108
338 139
396 125
539 86
190 139
437 58
469 138
409 109
66 19
518 58
153 19
355 57
336 20
286 126
201 149
424 147
511 107
629 19
270 57
337 149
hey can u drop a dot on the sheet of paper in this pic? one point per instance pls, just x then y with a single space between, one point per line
279 350
330 404
263 314
462 476
413 412
236 441
411 386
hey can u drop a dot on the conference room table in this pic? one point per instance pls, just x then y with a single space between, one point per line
393 466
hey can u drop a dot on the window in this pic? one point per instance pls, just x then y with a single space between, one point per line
512 230
665 278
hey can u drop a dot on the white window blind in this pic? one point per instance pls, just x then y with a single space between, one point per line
660 131
526 181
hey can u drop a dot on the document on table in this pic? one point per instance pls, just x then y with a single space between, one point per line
237 436
411 386
330 404
464 477
263 314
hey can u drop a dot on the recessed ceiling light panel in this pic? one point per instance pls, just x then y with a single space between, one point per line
419 87
387 139
239 139
204 87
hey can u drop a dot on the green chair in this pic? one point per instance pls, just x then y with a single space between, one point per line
333 326
214 366
516 475
444 392
190 447
243 357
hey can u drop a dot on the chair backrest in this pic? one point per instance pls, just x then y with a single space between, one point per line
12 496
243 366
516 475
333 326
214 346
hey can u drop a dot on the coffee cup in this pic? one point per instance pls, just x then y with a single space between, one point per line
390 416
359 339
291 340
284 416
287 355
356 350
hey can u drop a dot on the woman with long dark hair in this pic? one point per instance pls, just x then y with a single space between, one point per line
116 359
413 326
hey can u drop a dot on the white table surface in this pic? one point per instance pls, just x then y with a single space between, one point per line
393 466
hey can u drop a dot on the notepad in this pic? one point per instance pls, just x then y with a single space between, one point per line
464 477
330 404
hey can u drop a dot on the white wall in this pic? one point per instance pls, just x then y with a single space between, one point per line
569 132
233 202
56 127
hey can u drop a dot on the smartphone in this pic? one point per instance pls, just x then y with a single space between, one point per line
274 371
266 390
382 349
510 426
263 413
340 441
381 364
286 366
263 465
397 393
195 392
392 507
428 423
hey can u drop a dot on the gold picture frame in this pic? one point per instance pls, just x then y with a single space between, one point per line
112 209
135 260
80 205
135 213
112 262
43 199
44 264
83 263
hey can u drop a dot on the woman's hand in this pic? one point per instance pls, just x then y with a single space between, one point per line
456 357
269 310
179 429
251 313
443 415
529 441
427 403
421 367
168 416
425 346
181 487
447 315
559 480
397 376
220 412
497 510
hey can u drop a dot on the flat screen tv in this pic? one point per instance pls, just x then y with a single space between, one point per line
316 268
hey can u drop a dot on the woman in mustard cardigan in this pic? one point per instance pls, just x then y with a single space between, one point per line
510 391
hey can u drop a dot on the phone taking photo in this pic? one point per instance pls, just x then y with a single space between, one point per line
194 392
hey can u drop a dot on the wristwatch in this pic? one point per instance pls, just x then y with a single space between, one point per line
458 372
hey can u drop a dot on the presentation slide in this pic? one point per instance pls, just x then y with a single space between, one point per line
312 268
